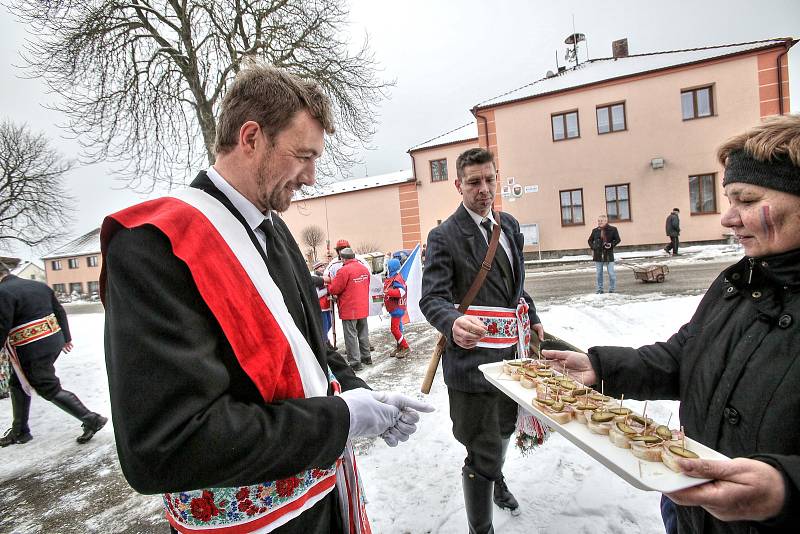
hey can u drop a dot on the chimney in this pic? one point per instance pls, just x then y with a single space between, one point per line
619 48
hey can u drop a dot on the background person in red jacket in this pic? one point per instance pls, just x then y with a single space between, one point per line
351 286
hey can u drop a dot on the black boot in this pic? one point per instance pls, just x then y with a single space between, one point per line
502 496
92 422
478 501
91 425
20 408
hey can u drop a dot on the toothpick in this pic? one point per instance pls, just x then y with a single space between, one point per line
640 468
683 438
644 416
621 399
668 420
602 388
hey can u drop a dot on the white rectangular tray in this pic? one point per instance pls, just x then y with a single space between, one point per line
648 476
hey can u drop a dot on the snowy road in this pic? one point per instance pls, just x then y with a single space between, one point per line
53 485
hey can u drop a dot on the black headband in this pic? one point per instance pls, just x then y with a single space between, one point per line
780 174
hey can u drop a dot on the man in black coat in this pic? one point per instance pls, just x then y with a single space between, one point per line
602 241
34 326
673 229
483 418
231 414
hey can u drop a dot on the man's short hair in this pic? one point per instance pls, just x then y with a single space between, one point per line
270 97
676 210
473 156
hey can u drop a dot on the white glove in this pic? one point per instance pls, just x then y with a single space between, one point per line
369 415
403 401
404 427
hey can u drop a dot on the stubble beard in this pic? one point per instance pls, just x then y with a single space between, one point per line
272 198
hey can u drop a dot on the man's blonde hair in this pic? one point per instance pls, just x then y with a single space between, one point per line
775 138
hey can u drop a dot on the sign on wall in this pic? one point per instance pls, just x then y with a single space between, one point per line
530 232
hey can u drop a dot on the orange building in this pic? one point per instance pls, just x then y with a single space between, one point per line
376 213
632 136
74 268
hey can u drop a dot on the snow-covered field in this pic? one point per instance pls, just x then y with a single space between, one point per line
414 488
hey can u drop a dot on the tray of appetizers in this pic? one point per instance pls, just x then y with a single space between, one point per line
638 449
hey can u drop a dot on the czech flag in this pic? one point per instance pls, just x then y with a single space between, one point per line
412 274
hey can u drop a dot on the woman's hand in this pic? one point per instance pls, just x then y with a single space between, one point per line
741 490
577 364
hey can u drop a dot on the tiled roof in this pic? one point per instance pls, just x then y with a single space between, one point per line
599 70
85 244
354 184
466 132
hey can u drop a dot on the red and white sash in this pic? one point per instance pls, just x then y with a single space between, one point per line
24 334
505 326
271 350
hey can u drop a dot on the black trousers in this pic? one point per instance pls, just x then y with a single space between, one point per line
41 375
481 421
673 244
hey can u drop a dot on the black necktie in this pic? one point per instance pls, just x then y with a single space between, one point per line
500 259
282 273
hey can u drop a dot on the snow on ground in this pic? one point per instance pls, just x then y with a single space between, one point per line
413 488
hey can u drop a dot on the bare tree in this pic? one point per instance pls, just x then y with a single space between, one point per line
141 80
313 236
34 207
365 247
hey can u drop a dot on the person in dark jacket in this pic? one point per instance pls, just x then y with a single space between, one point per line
735 366
483 418
226 399
35 330
602 241
673 229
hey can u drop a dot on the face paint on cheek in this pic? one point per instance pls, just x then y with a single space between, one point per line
766 224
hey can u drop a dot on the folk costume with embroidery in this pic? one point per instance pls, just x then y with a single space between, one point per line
248 438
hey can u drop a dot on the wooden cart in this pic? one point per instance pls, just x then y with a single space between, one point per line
650 273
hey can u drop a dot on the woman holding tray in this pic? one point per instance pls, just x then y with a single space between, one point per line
735 366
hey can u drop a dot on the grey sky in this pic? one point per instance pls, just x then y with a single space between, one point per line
446 57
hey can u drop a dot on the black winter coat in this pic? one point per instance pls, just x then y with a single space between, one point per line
735 367
23 301
673 225
596 243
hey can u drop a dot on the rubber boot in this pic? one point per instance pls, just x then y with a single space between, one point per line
20 407
477 501
70 403
502 496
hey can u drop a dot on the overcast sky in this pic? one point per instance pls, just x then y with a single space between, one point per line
445 57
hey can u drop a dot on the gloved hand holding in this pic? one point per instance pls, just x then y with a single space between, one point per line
404 427
369 414
403 401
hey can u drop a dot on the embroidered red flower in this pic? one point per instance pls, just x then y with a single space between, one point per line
287 486
317 473
243 493
245 505
203 508
492 328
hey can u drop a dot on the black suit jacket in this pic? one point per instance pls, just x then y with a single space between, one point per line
23 301
186 416
456 248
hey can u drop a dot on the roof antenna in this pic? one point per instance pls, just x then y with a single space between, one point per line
574 39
